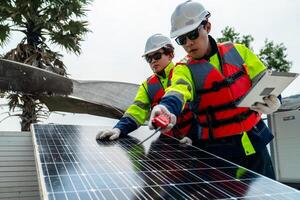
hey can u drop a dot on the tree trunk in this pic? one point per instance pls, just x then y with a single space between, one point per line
29 113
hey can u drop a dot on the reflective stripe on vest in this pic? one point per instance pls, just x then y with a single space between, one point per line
216 94
156 92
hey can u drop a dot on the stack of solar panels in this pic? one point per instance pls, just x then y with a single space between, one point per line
73 165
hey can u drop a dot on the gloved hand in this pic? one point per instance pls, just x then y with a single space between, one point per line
162 110
111 133
272 104
186 140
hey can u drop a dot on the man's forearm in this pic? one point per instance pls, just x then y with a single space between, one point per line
173 104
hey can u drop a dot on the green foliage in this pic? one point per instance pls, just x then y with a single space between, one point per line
229 34
56 20
272 55
4 33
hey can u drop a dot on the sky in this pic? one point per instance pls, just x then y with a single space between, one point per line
119 30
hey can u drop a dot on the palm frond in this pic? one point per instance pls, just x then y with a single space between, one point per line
4 34
42 22
68 41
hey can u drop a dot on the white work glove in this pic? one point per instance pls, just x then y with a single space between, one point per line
272 104
186 140
162 110
111 133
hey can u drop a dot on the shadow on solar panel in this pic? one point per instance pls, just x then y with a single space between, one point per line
73 165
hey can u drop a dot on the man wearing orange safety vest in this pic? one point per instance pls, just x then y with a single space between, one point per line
159 53
213 77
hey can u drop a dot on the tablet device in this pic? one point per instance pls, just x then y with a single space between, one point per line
268 83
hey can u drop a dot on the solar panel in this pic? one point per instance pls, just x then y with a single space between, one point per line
73 165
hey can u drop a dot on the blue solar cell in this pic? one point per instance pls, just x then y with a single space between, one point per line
73 165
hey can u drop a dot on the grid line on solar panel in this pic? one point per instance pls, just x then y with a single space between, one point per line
58 179
75 166
109 180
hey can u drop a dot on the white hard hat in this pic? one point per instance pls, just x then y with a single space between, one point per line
187 17
156 42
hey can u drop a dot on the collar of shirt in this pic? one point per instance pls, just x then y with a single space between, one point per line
214 48
165 73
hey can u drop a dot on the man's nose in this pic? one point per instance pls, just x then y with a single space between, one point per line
153 61
188 42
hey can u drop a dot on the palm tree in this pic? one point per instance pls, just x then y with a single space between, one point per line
43 22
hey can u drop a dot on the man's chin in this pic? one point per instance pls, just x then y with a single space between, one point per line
192 53
195 55
154 71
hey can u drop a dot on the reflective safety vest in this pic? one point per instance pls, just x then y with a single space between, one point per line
156 92
216 94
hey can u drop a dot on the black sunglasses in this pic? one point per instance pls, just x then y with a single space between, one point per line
155 56
192 35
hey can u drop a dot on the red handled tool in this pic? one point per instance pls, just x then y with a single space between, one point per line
159 122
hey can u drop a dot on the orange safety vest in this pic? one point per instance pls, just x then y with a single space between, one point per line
217 92
155 93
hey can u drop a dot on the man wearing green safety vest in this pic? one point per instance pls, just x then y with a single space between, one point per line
159 53
213 77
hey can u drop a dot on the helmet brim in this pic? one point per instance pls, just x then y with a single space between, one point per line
152 50
184 30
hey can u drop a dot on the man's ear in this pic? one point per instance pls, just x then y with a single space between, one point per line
207 27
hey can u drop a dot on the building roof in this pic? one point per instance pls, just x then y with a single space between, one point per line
18 178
